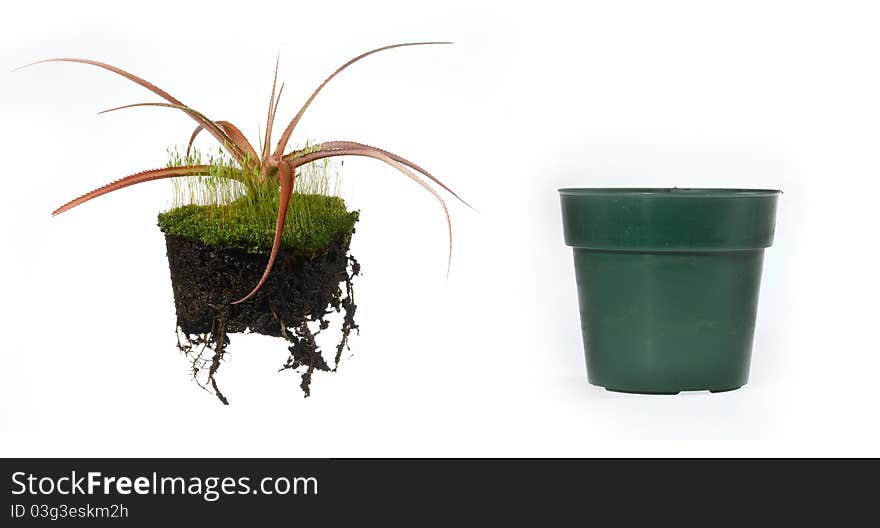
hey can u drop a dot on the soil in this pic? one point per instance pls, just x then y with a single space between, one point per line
299 295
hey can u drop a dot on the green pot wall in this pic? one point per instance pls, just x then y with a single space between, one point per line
668 283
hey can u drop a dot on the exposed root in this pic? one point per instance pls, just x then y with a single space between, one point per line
220 343
195 347
218 393
305 352
349 307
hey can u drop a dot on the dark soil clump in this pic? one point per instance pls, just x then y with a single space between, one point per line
294 303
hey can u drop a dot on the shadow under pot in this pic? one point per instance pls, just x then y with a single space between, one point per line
668 283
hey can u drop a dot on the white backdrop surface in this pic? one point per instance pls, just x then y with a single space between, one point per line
488 362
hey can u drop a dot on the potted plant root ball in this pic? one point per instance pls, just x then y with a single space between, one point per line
219 234
256 240
668 284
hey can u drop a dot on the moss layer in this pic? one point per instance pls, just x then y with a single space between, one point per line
314 221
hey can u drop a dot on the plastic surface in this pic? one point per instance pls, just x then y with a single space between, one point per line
668 219
668 284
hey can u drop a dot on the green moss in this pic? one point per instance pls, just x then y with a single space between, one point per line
231 207
313 221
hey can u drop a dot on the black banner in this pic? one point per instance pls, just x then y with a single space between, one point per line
223 491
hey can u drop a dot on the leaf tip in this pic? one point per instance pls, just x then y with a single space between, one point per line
23 66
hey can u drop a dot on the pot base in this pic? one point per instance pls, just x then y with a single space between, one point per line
624 391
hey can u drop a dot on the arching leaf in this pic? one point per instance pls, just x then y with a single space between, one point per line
286 177
140 177
285 136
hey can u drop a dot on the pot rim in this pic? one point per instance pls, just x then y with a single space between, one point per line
677 192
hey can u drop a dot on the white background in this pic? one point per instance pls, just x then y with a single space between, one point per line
533 96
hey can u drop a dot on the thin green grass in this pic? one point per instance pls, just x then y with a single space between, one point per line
241 212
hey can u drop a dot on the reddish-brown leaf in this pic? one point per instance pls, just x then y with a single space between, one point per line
206 123
333 145
140 177
285 136
270 117
309 158
234 134
286 177
146 84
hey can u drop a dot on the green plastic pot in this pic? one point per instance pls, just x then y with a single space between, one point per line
668 284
